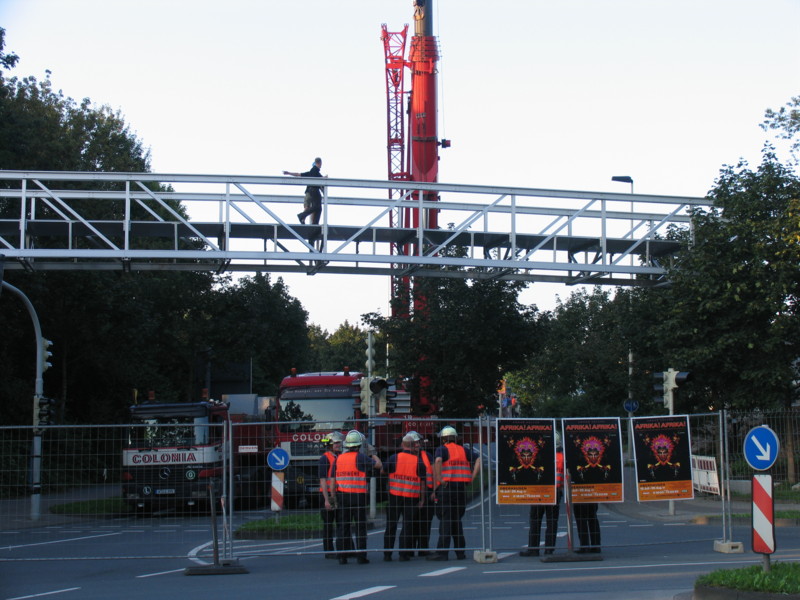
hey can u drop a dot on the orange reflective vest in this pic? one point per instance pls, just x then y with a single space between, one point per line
426 460
349 479
331 460
404 481
559 469
456 467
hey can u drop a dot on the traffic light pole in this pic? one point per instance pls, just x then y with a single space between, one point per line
36 448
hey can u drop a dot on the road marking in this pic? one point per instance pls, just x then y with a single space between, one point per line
157 574
87 537
46 593
443 572
365 592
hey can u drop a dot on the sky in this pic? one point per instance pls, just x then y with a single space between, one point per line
559 94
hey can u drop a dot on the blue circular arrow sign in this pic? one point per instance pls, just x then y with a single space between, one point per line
278 459
761 447
631 405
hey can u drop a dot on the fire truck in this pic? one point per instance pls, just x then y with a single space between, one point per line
310 405
172 454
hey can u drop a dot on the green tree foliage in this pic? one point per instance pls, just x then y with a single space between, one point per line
733 304
7 60
581 367
463 335
786 123
258 320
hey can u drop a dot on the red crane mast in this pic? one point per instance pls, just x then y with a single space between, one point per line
422 162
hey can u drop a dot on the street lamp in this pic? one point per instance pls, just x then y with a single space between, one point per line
624 179
629 179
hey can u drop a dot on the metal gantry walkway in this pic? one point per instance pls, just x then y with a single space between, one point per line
150 221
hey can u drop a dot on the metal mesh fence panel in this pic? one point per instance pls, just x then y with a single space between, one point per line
104 492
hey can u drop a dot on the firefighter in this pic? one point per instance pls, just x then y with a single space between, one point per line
333 447
454 467
406 473
351 473
548 511
424 516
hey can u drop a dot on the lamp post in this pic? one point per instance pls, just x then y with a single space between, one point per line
629 179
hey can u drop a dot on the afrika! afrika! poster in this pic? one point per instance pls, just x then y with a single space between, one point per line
593 459
526 461
663 458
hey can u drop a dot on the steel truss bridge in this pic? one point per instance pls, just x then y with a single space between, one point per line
131 221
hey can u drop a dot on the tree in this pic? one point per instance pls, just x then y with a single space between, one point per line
463 336
7 61
786 122
734 300
257 319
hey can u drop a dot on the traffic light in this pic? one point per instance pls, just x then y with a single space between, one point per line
668 382
365 395
370 364
46 354
378 387
43 411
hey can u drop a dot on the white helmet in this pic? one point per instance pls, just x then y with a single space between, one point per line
353 439
448 432
334 437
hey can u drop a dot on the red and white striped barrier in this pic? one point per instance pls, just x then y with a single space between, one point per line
277 491
763 514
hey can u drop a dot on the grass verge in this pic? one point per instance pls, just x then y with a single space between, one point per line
106 506
783 578
304 525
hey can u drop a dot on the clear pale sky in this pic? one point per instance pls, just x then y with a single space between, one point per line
557 94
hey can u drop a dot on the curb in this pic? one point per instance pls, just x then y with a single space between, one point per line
704 592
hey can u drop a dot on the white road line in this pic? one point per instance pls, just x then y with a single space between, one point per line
365 592
443 572
157 574
45 593
87 537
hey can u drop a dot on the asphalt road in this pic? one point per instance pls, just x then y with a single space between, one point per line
647 554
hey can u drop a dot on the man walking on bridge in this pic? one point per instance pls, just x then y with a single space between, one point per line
312 204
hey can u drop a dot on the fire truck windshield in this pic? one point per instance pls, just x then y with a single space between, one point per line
169 432
317 414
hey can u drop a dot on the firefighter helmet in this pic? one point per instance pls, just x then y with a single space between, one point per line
353 439
448 432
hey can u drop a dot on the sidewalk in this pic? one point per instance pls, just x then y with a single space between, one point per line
702 508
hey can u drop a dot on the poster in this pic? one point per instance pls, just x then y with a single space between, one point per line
663 458
593 459
526 461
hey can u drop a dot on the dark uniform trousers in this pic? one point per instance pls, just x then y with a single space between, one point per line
453 500
352 523
397 508
550 514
